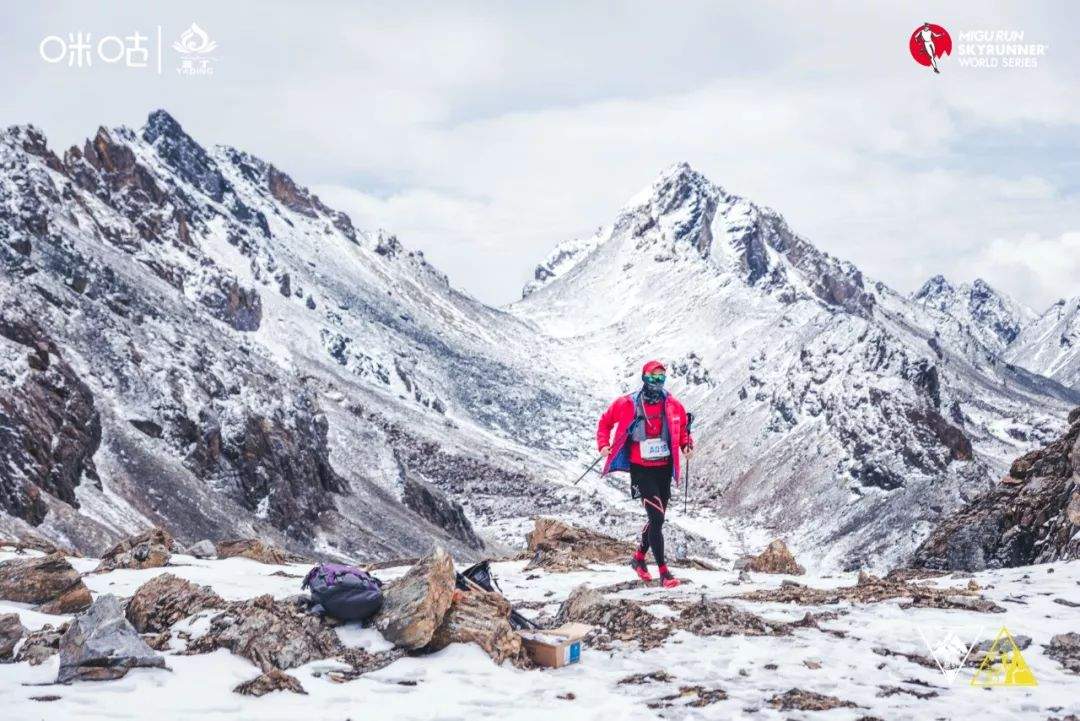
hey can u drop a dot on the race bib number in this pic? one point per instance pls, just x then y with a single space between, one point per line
654 448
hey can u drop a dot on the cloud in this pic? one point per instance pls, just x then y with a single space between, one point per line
1026 264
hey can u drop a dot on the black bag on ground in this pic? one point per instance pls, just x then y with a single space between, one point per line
481 575
345 592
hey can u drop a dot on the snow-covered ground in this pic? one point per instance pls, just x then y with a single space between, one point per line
462 682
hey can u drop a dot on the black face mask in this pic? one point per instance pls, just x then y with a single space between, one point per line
652 392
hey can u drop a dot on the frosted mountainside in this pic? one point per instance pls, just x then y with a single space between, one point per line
1051 344
828 408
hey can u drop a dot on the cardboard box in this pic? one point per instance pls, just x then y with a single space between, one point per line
555 647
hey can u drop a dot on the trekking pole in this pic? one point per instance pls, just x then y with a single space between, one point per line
686 486
588 469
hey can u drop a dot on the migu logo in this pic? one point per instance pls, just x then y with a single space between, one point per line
928 43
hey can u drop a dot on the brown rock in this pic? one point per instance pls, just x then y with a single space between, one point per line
41 644
871 589
166 599
415 604
796 699
484 619
48 580
11 630
776 558
257 550
271 634
151 549
272 680
712 618
622 619
559 547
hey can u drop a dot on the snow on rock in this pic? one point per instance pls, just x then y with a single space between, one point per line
1051 344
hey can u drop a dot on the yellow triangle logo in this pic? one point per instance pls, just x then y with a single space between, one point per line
1004 665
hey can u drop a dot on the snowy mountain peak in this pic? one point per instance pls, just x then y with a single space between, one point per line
991 316
1050 345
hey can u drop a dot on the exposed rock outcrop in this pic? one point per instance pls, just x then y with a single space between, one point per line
46 580
797 699
11 631
272 680
166 599
49 428
271 634
776 558
150 549
557 546
100 645
257 550
202 549
1065 649
621 619
415 604
1033 516
484 619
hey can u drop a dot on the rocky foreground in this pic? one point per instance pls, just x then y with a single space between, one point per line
222 638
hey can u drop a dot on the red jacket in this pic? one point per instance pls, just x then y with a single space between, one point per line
621 414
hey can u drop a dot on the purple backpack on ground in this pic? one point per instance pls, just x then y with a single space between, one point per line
345 592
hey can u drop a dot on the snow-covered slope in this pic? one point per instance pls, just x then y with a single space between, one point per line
991 317
827 406
247 362
1051 344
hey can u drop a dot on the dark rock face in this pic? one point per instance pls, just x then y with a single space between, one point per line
40 645
433 505
1032 517
48 580
49 428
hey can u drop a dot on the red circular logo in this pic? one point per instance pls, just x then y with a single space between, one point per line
928 43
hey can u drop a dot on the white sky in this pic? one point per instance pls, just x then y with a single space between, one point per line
484 133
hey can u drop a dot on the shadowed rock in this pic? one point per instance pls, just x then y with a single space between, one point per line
796 699
46 580
1065 649
1033 516
166 599
415 604
41 644
101 644
11 631
202 549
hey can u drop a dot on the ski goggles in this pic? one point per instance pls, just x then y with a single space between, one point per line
654 377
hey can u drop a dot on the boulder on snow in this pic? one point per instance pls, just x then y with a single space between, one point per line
100 645
11 631
272 680
271 634
622 618
557 546
1065 649
415 604
150 549
41 644
203 549
708 617
776 558
166 599
482 618
257 550
46 580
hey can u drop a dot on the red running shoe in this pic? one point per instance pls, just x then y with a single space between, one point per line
668 580
640 568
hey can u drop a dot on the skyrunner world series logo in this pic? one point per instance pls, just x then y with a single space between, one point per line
928 43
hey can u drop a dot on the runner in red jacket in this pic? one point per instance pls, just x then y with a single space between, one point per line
650 433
